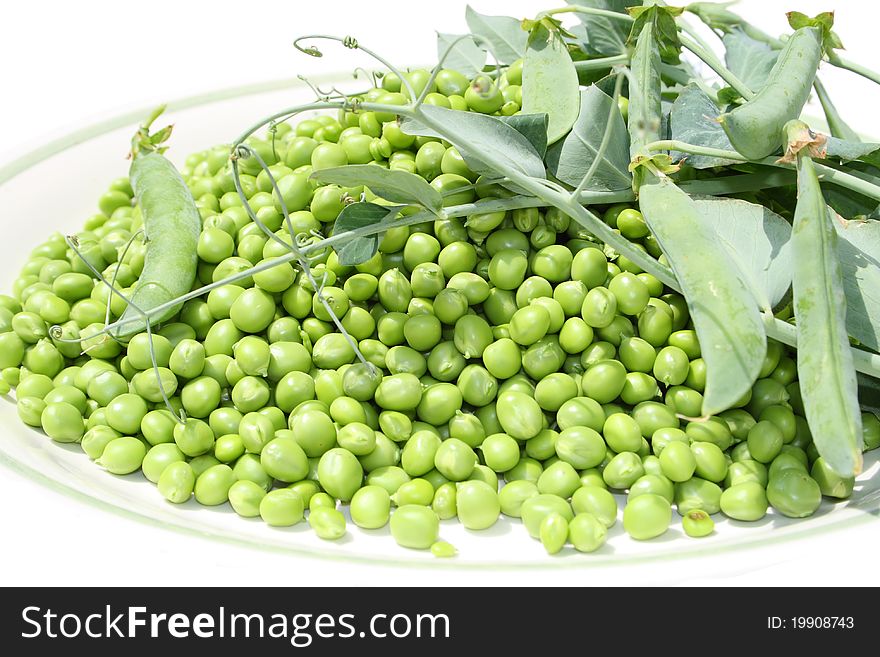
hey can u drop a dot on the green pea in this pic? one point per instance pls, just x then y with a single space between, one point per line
830 483
122 455
96 439
746 501
553 532
245 498
604 381
177 481
512 496
697 523
283 459
399 392
622 433
794 494
581 412
765 441
282 507
160 457
596 501
534 509
647 516
586 532
472 335
453 458
370 507
599 307
477 505
580 446
415 526
623 470
328 523
405 360
193 437
212 485
542 446
340 473
519 415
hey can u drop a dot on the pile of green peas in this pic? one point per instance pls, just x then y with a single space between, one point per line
511 364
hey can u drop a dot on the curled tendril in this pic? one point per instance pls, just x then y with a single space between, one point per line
57 333
73 240
311 51
350 42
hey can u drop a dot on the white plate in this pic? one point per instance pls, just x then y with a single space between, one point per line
55 188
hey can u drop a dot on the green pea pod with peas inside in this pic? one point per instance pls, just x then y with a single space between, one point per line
171 227
825 365
755 128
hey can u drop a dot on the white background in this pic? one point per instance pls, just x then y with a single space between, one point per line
65 64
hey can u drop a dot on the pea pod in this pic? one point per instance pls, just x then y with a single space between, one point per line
550 81
171 227
755 128
825 365
644 97
723 309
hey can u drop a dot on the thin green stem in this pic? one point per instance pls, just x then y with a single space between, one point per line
591 11
864 361
585 65
712 61
693 149
858 69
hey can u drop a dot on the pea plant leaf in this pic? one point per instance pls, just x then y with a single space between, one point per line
858 250
549 80
823 21
570 159
465 56
483 141
391 184
645 116
722 306
503 34
359 249
826 372
846 150
531 126
757 240
694 120
748 59
599 35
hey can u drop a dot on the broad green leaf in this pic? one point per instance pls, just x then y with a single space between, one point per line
391 184
850 204
846 150
758 242
826 372
694 120
531 126
480 139
600 35
466 56
361 215
722 306
748 59
571 158
503 34
823 21
358 250
550 81
858 249
355 216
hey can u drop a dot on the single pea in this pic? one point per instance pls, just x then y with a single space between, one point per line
415 526
746 501
586 532
328 523
340 473
519 415
559 478
283 459
477 504
513 494
794 494
160 457
553 532
370 507
176 482
622 433
765 441
830 483
443 550
596 501
623 470
399 392
193 437
697 523
282 507
580 446
123 455
212 485
453 458
647 516
604 381
245 498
